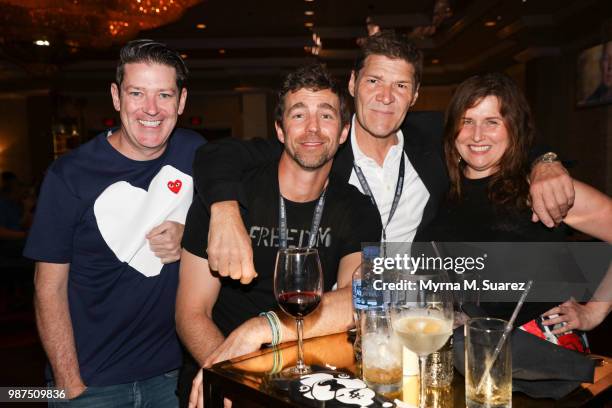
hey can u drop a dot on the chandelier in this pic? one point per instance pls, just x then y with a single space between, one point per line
84 23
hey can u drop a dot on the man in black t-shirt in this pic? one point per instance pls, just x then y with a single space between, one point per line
218 318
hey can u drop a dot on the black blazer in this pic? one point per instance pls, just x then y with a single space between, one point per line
219 165
423 146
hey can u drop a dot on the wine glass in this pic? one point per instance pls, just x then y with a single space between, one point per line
423 317
298 286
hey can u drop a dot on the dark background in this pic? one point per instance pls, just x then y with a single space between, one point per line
53 98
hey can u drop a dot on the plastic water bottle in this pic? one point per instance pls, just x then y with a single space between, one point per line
364 295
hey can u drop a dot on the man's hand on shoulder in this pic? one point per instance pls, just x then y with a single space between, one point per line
552 193
165 241
229 246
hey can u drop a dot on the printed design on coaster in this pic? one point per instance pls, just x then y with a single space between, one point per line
125 214
335 389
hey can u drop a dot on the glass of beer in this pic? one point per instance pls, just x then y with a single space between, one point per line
482 389
381 353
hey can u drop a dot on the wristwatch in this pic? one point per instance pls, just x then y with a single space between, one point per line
549 157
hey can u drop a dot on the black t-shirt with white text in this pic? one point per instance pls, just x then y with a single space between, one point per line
349 218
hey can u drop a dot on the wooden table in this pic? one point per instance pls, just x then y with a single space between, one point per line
247 380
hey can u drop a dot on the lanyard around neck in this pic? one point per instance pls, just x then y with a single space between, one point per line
396 198
314 228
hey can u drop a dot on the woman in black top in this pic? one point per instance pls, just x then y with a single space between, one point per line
488 134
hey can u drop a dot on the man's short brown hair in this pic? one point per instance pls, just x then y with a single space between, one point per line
314 77
391 45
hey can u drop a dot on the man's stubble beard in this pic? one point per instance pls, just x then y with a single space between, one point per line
322 160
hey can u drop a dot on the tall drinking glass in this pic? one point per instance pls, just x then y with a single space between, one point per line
423 318
298 286
482 336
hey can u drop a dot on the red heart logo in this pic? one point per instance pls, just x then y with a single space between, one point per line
175 186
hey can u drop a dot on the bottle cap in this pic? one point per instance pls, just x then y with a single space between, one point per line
371 252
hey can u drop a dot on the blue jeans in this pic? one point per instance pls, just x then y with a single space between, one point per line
155 392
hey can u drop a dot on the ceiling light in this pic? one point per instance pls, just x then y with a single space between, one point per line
42 43
309 13
221 51
490 23
308 1
309 24
95 23
201 26
435 61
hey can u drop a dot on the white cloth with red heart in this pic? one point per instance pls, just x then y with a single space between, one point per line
125 214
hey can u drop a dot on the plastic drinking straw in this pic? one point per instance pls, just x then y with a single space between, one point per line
435 248
504 336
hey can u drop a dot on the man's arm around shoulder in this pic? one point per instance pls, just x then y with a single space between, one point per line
218 170
219 166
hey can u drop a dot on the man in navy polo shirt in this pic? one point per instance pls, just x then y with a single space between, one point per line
106 240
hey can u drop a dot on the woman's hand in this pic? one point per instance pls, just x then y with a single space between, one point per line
577 316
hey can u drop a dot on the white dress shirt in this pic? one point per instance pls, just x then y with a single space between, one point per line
382 182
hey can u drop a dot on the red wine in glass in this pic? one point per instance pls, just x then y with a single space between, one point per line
299 304
298 287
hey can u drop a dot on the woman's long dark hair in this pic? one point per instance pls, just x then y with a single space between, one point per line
508 187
